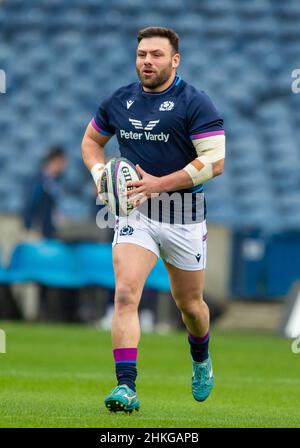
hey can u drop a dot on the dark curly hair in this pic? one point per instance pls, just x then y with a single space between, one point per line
157 31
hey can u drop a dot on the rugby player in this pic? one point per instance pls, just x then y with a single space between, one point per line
174 135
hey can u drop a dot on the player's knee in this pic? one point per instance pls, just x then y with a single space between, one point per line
192 309
190 313
126 297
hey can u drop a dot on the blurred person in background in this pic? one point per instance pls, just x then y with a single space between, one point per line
40 218
41 196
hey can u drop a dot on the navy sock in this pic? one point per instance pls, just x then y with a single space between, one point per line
126 373
125 361
199 347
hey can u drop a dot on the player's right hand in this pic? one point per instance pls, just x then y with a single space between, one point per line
99 195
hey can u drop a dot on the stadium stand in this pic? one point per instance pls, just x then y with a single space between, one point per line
62 57
49 262
56 264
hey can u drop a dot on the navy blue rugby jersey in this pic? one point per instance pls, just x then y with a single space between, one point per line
156 129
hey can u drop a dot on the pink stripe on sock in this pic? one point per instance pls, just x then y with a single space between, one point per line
197 340
125 354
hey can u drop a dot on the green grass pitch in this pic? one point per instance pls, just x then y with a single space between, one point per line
58 376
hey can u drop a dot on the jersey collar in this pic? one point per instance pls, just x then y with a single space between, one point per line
176 81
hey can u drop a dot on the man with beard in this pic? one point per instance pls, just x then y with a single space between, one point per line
174 135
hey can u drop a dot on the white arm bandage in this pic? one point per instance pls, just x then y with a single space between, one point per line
209 150
97 171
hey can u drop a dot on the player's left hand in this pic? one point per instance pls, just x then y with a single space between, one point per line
148 186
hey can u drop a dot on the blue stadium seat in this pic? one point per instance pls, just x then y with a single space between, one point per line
48 262
73 207
209 9
97 267
158 278
226 214
96 264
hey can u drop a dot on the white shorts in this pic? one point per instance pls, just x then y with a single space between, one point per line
182 245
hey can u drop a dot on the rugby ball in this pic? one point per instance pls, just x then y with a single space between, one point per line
116 173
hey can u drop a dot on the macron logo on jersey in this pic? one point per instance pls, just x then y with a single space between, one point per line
129 103
137 124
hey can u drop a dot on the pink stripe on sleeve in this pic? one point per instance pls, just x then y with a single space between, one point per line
207 134
95 126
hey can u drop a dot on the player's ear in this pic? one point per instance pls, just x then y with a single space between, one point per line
176 60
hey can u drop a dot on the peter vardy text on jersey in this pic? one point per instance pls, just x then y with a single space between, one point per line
140 135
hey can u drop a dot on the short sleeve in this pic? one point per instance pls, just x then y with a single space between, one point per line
203 119
101 121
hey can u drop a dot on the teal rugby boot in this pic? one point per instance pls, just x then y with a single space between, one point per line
203 379
123 399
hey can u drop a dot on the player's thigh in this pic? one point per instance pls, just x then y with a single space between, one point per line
132 265
186 286
185 246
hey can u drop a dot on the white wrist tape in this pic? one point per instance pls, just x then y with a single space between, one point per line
97 171
200 170
209 150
